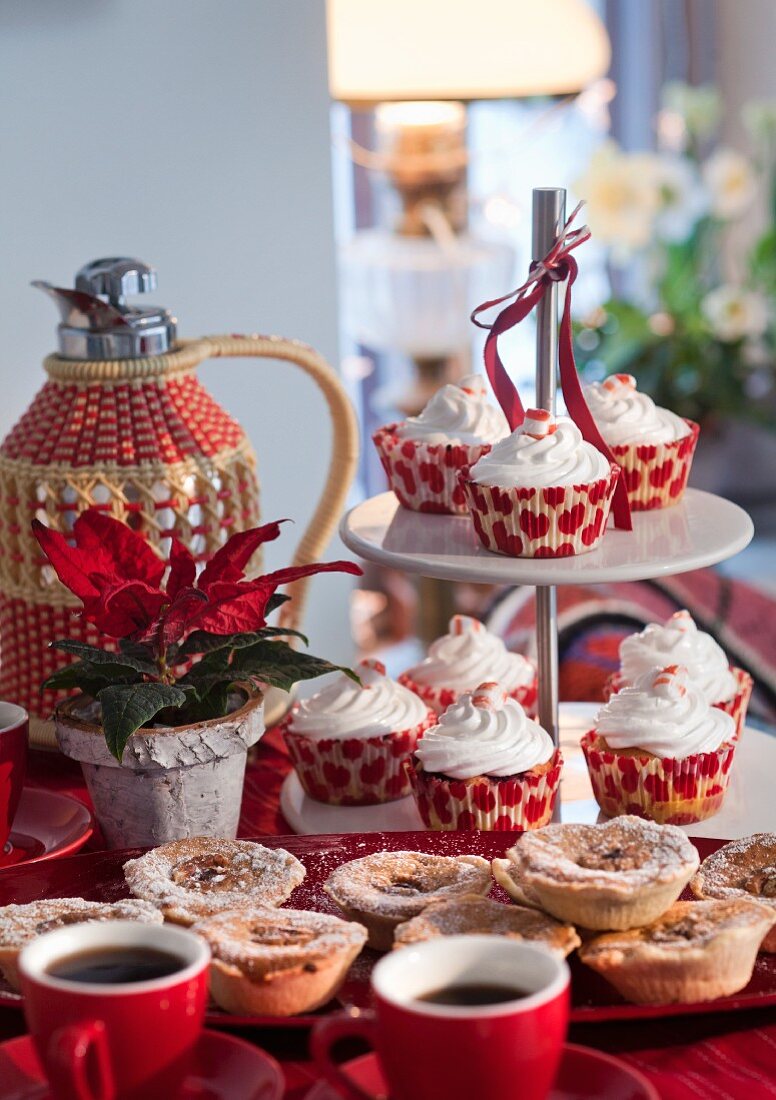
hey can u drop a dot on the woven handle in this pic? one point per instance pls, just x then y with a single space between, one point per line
344 445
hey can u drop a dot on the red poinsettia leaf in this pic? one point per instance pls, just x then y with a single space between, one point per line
228 563
69 563
183 568
132 556
125 609
180 615
295 572
233 608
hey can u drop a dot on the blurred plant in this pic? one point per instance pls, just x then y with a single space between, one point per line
701 343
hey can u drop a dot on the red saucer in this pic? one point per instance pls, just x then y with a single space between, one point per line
47 825
584 1074
226 1069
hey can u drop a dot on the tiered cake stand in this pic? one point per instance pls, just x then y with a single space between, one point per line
701 530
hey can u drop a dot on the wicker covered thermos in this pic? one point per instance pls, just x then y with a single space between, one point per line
122 423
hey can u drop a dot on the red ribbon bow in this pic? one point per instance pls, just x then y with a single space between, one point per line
557 266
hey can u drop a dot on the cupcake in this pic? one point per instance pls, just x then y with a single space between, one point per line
660 751
423 455
543 492
653 446
679 642
486 765
459 661
350 743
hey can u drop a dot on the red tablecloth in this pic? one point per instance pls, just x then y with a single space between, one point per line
723 1057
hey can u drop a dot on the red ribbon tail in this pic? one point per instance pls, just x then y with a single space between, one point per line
578 407
503 387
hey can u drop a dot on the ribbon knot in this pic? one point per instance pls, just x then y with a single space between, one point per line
556 267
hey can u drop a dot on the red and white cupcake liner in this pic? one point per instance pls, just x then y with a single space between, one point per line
669 791
655 474
424 476
735 707
354 771
541 523
440 698
514 803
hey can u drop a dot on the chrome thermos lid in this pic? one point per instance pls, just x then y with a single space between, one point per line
97 322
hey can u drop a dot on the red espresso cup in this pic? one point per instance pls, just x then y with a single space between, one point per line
132 1040
14 730
458 1051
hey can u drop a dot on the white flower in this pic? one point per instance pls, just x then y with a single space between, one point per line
734 313
731 182
698 107
621 197
682 197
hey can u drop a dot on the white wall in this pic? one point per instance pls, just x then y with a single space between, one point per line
193 134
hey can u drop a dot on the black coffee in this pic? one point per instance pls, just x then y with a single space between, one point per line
116 965
476 994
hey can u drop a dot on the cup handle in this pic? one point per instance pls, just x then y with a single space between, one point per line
80 1054
326 1034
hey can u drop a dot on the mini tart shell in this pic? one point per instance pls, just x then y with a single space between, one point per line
743 869
541 523
667 790
648 966
354 771
424 476
607 896
496 804
236 874
19 924
655 474
440 698
475 915
735 707
266 977
509 877
370 890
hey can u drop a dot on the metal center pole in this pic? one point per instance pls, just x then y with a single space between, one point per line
549 214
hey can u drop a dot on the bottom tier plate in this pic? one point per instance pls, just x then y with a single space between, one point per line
98 876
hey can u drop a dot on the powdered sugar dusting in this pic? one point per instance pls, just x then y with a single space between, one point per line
400 884
623 853
21 923
745 868
261 942
191 879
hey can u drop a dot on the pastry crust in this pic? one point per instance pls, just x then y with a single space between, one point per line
278 962
696 951
745 868
21 923
385 889
192 879
509 877
620 874
476 915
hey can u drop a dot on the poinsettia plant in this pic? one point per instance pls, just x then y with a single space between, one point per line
184 641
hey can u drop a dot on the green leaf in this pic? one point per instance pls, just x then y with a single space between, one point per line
276 600
281 666
202 642
136 650
87 678
127 707
96 656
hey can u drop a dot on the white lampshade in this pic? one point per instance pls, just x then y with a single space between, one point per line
462 49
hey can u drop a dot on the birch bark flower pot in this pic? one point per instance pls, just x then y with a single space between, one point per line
173 781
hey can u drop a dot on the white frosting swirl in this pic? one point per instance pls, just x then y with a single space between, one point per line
468 655
457 413
624 415
345 709
484 733
665 715
679 642
542 452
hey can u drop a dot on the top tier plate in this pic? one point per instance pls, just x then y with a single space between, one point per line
702 530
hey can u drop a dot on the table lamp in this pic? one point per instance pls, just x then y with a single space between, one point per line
409 288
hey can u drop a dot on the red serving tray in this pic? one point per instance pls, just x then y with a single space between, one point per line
98 876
